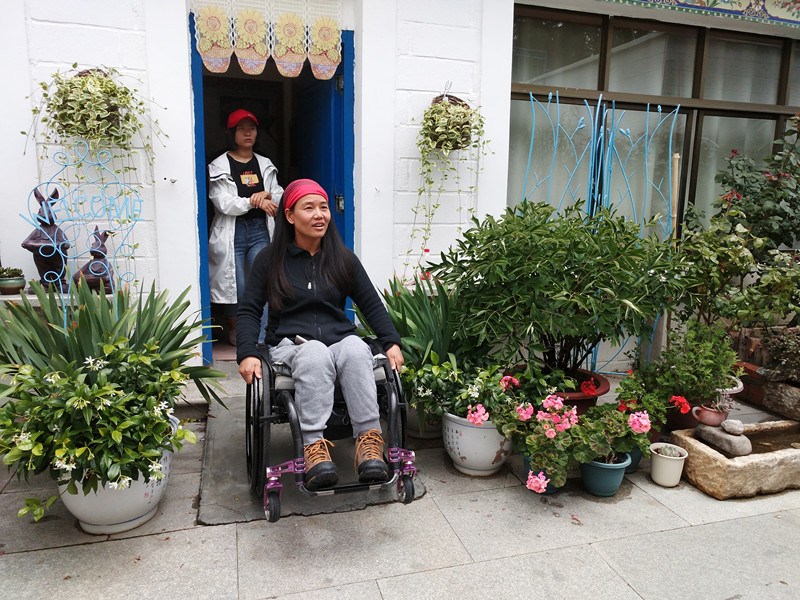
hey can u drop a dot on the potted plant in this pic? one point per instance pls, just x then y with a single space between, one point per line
11 281
95 109
603 438
545 439
90 388
475 443
448 125
698 364
421 315
666 463
432 387
536 286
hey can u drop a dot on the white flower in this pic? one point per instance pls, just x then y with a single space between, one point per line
155 467
662 278
51 378
473 391
113 485
23 436
103 402
125 483
65 466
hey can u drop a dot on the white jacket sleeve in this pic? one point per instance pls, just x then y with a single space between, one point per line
222 189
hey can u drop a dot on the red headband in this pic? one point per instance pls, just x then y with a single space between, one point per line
299 188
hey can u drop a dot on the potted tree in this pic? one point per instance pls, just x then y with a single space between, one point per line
90 388
538 287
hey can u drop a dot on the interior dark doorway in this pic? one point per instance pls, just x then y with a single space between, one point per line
305 129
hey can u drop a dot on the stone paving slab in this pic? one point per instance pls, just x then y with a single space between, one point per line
513 521
749 558
568 573
197 563
698 508
304 554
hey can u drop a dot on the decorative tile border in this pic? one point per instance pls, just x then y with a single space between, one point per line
780 12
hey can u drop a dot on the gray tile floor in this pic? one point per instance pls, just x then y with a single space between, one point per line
464 538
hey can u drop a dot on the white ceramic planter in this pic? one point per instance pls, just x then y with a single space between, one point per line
475 450
112 511
431 428
666 470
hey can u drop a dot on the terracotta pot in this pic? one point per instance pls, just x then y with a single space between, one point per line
581 399
709 416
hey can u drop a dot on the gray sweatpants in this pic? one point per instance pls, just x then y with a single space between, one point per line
315 368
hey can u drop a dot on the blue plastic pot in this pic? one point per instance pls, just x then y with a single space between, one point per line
602 479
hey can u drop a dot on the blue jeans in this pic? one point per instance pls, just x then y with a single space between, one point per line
251 236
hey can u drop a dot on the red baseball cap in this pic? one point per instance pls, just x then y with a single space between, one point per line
238 115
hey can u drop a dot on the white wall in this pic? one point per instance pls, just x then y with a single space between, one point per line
406 52
143 39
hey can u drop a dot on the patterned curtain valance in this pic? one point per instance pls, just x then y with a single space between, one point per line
288 31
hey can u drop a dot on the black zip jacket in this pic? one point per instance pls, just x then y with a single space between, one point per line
316 312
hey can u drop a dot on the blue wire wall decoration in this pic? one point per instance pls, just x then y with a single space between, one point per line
598 162
83 219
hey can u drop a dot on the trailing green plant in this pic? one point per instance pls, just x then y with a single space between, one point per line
10 273
765 198
535 285
433 385
90 389
448 125
95 106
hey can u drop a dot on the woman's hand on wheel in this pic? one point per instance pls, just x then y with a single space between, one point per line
250 366
395 356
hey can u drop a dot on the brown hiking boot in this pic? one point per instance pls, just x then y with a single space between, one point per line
369 457
320 469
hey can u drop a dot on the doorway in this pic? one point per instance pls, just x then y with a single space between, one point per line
305 129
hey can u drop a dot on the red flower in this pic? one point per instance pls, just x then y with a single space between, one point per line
681 403
734 152
588 387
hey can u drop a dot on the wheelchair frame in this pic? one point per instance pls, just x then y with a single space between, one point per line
273 403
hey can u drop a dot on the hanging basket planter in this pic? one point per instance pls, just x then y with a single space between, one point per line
448 123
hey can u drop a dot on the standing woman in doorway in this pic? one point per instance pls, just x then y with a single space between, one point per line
243 187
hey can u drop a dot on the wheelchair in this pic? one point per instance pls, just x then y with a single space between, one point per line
270 401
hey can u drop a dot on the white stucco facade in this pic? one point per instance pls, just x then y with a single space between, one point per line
406 51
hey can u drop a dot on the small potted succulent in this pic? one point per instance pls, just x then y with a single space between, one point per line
11 281
666 463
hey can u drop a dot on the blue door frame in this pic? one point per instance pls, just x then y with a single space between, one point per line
334 156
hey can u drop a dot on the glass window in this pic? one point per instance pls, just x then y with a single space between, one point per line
794 77
742 70
559 177
721 136
645 61
556 53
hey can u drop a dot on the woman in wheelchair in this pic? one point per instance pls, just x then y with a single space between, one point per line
306 275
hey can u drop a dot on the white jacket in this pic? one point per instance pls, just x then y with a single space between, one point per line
227 206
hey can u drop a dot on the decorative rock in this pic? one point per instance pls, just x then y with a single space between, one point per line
733 445
743 476
783 399
733 426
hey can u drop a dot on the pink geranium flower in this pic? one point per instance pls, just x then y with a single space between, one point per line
639 422
508 382
477 415
554 402
537 483
525 411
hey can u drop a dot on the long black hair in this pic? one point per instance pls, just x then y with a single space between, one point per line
335 262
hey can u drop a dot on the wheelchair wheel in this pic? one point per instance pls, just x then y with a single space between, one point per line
273 506
257 432
406 494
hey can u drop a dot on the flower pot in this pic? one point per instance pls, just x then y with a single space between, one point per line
422 426
583 400
475 450
526 460
636 458
666 470
111 510
709 416
11 285
604 479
